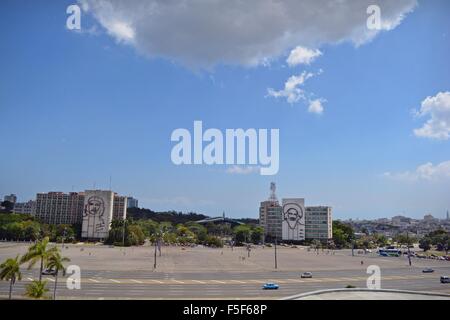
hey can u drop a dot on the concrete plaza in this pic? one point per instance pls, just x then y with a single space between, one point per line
206 273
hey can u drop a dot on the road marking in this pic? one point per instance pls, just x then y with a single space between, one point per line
113 280
96 281
52 280
137 281
30 279
256 281
198 281
177 281
237 281
217 281
157 281
296 280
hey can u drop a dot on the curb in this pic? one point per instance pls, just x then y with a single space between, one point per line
319 292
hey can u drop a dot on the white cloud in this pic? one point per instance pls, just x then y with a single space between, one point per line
203 33
243 169
122 31
426 171
292 91
315 106
438 109
301 55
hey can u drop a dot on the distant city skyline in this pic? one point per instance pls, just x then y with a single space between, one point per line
363 114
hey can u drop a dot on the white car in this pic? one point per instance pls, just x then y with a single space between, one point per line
306 275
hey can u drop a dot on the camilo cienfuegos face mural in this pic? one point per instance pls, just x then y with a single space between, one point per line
293 225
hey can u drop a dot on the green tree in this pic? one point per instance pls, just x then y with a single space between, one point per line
149 227
213 241
257 234
39 252
10 271
56 263
36 289
343 234
242 233
425 243
199 231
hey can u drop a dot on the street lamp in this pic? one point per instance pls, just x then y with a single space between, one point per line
64 235
123 232
409 252
276 265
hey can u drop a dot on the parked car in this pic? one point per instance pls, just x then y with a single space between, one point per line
445 279
306 275
428 270
270 286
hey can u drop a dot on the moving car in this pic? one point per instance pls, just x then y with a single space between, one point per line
270 286
428 270
48 272
445 279
306 275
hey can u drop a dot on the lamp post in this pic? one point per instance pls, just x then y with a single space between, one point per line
64 235
276 265
123 233
409 252
156 245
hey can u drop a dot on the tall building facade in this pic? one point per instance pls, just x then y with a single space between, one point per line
132 202
70 208
319 223
11 198
59 207
270 218
120 207
97 214
25 207
293 219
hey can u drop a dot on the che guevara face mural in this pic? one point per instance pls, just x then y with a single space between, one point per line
95 206
293 214
95 209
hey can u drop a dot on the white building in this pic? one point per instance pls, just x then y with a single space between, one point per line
91 208
25 207
97 214
293 219
319 223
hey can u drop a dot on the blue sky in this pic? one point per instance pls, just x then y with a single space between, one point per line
79 107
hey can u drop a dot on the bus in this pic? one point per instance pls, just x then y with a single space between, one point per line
390 252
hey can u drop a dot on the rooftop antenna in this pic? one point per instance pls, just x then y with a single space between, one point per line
273 196
110 183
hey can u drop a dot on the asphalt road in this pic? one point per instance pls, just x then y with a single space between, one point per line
159 285
205 273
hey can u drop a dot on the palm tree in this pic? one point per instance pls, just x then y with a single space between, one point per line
10 270
39 251
55 262
37 289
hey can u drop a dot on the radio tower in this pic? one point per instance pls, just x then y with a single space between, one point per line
273 196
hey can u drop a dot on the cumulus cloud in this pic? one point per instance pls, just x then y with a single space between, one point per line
301 55
292 90
427 171
243 169
203 33
315 106
438 110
